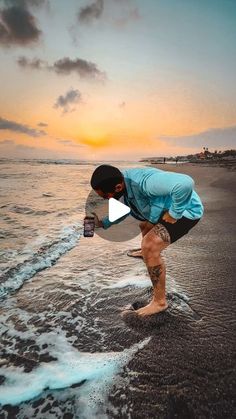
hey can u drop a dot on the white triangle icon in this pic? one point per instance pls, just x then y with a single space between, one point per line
116 210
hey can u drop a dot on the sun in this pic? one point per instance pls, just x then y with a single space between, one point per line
95 140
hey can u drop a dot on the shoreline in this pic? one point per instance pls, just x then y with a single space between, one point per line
231 165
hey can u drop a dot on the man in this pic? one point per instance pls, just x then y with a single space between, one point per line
167 206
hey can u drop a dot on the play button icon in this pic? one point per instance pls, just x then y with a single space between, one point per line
124 226
116 210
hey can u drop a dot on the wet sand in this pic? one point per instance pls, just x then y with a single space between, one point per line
185 370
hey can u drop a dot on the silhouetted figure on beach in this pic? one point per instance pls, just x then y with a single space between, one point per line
164 160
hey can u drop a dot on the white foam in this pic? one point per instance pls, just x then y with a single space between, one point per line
132 281
142 280
25 271
98 369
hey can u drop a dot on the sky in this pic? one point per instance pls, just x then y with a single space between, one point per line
116 79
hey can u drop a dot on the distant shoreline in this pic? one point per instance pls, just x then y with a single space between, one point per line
229 164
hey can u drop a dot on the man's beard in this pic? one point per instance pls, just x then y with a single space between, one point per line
118 195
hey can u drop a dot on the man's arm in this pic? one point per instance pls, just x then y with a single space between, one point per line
105 223
178 186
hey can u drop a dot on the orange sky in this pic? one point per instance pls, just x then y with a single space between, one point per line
136 93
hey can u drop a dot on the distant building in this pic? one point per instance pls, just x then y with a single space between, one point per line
201 156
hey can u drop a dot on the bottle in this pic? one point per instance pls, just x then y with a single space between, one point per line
89 226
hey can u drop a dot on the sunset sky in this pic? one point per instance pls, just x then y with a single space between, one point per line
116 79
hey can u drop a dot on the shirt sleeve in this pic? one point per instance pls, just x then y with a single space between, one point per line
178 186
107 223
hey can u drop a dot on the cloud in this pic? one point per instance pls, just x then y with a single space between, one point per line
42 124
4 142
11 149
66 66
17 24
82 67
96 9
64 141
12 145
69 143
212 138
25 3
91 12
35 64
24 147
70 98
21 128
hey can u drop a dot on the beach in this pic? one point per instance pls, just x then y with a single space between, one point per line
66 351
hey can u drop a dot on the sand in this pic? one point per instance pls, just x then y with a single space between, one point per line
190 368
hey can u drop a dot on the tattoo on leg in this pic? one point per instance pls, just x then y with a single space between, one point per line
162 232
155 272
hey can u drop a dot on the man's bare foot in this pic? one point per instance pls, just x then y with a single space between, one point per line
152 308
135 253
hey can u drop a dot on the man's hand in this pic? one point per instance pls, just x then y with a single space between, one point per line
167 217
98 223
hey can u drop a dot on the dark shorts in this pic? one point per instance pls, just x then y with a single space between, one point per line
180 228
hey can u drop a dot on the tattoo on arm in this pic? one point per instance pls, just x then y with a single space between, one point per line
155 272
162 232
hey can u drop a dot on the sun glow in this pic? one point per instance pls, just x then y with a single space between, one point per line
94 139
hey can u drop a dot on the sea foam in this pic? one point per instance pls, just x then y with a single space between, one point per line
13 278
95 371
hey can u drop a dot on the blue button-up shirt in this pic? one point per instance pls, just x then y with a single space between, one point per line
150 191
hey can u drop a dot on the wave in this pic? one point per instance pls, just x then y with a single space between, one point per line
13 278
71 162
94 372
27 210
47 161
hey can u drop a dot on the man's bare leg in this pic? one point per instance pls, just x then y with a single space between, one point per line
153 243
144 226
